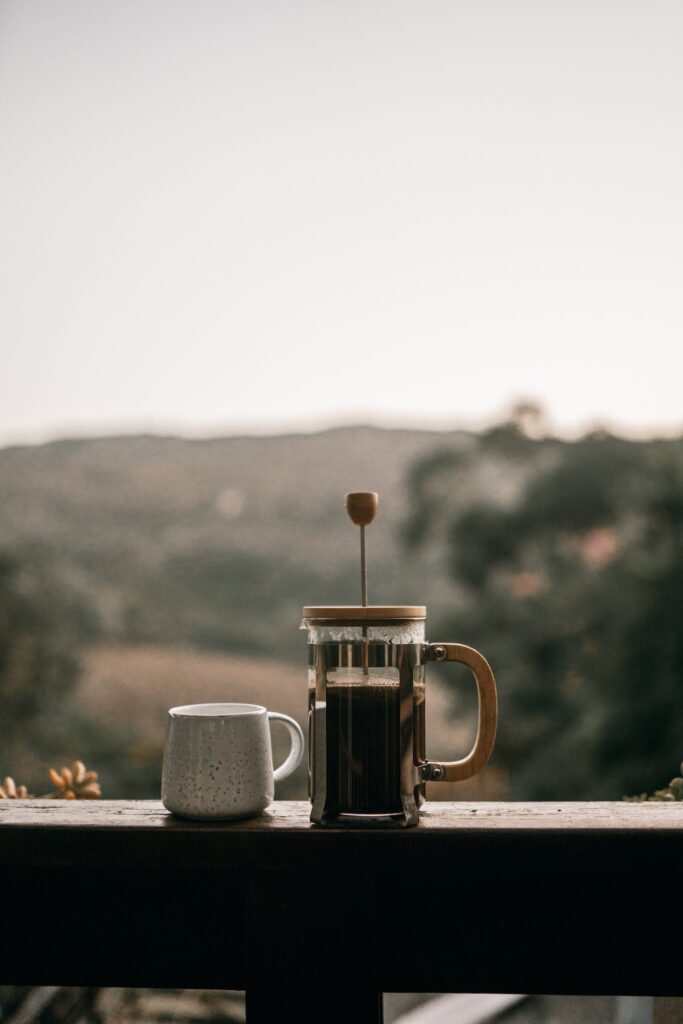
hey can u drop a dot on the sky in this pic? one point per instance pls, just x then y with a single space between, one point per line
246 216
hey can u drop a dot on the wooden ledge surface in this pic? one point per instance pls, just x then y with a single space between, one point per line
137 832
293 816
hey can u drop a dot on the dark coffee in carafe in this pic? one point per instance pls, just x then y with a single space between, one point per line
366 713
363 746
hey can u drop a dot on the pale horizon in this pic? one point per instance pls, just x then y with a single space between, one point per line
104 431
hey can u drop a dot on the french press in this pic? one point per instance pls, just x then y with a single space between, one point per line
366 705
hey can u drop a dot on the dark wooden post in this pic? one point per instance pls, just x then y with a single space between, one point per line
311 953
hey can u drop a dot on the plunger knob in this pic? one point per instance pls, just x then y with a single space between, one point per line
362 507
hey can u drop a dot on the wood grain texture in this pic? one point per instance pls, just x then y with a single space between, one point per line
293 816
548 898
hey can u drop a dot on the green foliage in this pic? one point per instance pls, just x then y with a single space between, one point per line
571 584
38 664
41 629
234 601
424 478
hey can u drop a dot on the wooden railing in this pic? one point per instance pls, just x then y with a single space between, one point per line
316 923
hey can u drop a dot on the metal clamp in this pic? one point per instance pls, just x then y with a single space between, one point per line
432 772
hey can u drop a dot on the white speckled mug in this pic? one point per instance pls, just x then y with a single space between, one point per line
218 761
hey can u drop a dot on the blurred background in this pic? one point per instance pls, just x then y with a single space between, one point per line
254 256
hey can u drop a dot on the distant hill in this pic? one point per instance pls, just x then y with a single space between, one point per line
216 543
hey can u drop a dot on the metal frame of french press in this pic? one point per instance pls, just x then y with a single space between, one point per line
410 661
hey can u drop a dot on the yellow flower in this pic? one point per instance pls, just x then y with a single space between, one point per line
75 783
10 791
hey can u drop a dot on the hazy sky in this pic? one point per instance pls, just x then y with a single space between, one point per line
248 215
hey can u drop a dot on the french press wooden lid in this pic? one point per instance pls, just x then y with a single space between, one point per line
366 613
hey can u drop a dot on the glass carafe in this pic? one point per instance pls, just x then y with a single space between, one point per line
366 713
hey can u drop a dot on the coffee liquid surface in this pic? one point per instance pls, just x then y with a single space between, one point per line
363 746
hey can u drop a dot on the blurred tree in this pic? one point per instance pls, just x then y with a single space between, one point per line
570 575
39 638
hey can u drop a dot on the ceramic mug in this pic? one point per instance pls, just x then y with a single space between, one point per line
218 761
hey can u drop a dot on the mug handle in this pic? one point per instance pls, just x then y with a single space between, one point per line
296 752
455 771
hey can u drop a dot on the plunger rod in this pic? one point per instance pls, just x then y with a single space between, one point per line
362 508
363 570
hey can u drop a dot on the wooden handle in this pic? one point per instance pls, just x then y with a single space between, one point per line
362 507
455 771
